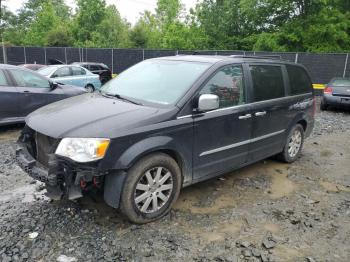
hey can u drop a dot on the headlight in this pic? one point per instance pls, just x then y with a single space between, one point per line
83 149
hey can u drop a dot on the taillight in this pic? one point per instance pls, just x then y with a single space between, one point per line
328 90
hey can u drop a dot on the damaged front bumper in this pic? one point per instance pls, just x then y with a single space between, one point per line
62 178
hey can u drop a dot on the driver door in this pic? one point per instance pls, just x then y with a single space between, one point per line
222 136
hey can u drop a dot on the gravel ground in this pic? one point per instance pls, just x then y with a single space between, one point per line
268 211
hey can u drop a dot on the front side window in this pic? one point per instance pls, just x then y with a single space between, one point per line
300 82
228 85
267 82
3 80
29 79
62 72
156 81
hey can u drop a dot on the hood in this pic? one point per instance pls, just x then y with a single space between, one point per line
91 115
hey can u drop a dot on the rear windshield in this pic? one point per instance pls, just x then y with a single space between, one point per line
340 82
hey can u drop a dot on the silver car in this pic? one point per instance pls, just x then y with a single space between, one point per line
72 75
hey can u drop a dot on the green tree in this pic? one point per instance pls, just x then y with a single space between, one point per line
45 21
112 31
90 14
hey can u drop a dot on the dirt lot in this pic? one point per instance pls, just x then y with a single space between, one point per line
266 212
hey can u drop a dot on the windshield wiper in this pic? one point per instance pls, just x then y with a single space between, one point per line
121 98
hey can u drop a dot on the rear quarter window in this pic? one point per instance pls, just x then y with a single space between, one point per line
299 80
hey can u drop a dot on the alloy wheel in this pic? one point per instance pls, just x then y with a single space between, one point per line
153 190
294 144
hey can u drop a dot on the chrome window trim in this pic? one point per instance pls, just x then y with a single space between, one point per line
249 104
186 116
219 149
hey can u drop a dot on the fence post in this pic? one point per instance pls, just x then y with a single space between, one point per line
296 58
4 53
112 61
346 64
25 54
65 54
143 54
45 56
177 52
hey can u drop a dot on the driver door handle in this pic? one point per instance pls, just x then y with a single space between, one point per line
260 113
245 116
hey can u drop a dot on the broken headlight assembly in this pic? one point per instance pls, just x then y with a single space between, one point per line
83 149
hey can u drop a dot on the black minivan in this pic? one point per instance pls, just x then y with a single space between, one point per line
167 123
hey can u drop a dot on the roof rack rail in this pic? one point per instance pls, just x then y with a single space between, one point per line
275 57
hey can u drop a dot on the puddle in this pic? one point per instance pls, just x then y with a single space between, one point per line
333 187
274 228
287 253
218 233
9 135
27 194
188 201
281 186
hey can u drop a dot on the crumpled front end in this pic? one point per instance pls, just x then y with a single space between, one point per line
35 154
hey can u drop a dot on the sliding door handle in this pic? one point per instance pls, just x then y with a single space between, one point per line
260 113
245 116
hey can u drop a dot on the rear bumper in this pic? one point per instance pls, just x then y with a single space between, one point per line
337 101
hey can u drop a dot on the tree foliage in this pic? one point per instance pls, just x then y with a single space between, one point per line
270 25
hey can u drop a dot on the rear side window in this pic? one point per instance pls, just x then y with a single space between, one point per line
95 68
228 85
62 72
299 80
3 80
77 71
267 82
29 79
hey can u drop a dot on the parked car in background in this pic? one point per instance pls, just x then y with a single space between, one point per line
33 67
167 123
97 68
72 75
22 91
336 94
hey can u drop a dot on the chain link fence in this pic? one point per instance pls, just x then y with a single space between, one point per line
322 67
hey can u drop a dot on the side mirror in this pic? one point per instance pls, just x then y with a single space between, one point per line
53 86
207 102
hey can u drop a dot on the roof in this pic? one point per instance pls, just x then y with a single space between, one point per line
214 59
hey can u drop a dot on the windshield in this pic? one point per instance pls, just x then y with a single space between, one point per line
341 82
47 70
156 81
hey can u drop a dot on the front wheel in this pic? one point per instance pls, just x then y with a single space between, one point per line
151 188
293 145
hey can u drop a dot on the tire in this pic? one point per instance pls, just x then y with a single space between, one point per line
323 106
90 88
289 155
141 188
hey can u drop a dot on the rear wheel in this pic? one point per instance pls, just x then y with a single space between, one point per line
151 188
293 145
90 88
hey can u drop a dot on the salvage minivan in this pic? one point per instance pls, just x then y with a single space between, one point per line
167 123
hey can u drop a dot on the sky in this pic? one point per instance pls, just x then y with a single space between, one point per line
129 9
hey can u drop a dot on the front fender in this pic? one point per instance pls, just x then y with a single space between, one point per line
153 144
